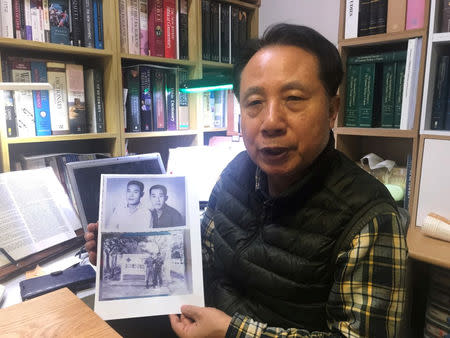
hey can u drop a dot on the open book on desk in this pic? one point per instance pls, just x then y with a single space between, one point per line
35 214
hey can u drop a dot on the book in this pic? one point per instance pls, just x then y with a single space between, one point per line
387 97
439 107
133 113
34 202
46 20
445 17
351 19
88 24
75 98
206 109
214 31
123 23
415 14
97 12
170 42
27 19
16 20
206 29
219 108
171 104
159 100
183 37
351 105
41 99
396 16
381 21
95 111
234 33
183 106
146 104
398 97
6 19
143 26
224 33
77 22
408 182
156 28
366 94
243 32
10 113
37 27
410 83
133 26
363 17
59 21
59 114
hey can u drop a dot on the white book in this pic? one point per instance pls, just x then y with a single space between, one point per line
35 17
46 19
7 28
59 114
23 103
123 26
351 19
133 26
410 83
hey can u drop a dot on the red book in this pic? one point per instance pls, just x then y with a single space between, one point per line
156 28
170 48
415 14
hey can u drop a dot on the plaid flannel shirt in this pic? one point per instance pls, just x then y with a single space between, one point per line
368 294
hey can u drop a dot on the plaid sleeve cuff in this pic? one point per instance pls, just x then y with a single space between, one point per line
244 327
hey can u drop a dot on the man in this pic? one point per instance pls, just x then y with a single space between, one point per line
132 216
162 215
157 267
149 271
297 240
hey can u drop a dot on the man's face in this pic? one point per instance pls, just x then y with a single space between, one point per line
286 113
133 194
157 198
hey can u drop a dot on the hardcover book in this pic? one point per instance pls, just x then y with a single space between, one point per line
59 21
95 111
183 106
183 29
224 33
59 115
18 32
146 105
171 106
133 114
439 107
415 14
396 16
170 45
27 19
37 23
143 25
133 26
46 20
41 99
10 114
123 26
97 6
215 32
75 98
206 29
77 22
234 33
88 24
156 28
159 100
351 19
6 19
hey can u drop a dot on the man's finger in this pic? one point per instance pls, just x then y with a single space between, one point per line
90 246
177 325
185 320
191 311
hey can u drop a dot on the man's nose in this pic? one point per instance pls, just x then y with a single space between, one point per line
274 123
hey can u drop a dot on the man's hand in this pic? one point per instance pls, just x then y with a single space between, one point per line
197 322
90 236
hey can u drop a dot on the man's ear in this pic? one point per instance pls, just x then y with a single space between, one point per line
166 198
142 193
335 102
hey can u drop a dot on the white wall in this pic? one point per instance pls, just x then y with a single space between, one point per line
322 15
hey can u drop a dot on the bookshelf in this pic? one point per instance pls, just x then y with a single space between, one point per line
110 59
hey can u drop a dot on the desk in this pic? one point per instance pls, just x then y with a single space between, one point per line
56 314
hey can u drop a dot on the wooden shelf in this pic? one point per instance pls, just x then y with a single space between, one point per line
217 65
160 133
240 4
376 132
155 59
53 47
383 38
427 249
54 138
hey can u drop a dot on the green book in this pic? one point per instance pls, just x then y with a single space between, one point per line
387 96
351 108
365 94
399 80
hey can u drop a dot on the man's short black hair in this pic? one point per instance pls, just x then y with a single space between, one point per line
330 64
137 183
159 186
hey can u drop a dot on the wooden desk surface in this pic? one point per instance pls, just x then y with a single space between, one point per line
56 314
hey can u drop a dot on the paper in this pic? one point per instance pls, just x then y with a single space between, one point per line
149 258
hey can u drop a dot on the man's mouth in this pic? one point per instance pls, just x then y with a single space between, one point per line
274 151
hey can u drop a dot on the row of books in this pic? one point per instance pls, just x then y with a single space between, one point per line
440 112
152 99
64 109
368 17
154 27
221 110
381 88
224 31
68 22
437 314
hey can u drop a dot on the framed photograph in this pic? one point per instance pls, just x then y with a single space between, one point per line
149 251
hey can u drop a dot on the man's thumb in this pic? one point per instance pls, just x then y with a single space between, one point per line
191 311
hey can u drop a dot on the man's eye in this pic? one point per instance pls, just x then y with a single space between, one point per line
254 103
294 98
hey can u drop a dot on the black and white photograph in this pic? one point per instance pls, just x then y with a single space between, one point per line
149 258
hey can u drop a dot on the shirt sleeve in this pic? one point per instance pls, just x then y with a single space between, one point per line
368 295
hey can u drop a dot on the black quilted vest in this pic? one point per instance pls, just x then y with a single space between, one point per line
274 259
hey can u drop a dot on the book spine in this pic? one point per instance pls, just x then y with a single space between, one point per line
408 182
381 17
146 98
415 14
88 27
59 22
133 26
234 33
396 16
99 101
91 123
206 30
373 16
351 99
143 26
225 33
351 19
23 99
7 27
16 19
41 100
206 109
398 97
388 92
171 106
215 31
133 112
363 17
23 29
219 108
28 31
170 46
183 29
243 32
159 105
76 22
183 106
59 115
75 98
445 17
10 114
230 113
372 58
440 94
156 28
124 26
212 109
46 18
366 94
98 23
35 18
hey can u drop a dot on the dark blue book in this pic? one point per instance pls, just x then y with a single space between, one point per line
41 99
171 100
146 98
132 104
439 107
97 6
59 21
